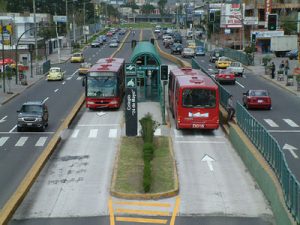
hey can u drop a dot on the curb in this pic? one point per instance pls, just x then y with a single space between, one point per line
15 200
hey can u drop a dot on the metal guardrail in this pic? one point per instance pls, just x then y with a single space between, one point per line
240 56
268 147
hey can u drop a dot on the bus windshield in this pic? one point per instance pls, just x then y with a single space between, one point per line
101 86
198 98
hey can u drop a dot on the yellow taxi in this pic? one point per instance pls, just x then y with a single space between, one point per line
84 68
223 62
55 73
77 58
191 44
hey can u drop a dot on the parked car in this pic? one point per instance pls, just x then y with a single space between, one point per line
55 73
188 52
77 58
225 76
200 51
257 99
237 68
176 48
222 62
113 44
293 54
215 54
84 68
33 114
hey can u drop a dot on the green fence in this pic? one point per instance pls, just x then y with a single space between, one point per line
269 148
240 56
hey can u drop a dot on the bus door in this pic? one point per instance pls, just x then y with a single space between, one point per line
141 85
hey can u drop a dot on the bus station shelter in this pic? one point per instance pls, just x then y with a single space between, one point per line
148 63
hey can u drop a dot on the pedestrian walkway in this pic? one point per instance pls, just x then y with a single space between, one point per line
13 89
259 69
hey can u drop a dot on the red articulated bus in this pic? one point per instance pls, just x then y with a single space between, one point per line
105 85
193 99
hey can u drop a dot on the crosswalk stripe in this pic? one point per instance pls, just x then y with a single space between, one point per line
154 204
271 123
3 140
69 78
41 141
21 141
75 133
79 78
113 133
142 212
291 123
140 220
93 133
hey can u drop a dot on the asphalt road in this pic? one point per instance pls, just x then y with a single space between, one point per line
73 188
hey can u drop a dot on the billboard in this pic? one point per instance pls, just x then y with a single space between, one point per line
6 31
231 16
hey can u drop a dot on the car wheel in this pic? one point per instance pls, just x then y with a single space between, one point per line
43 128
233 82
270 107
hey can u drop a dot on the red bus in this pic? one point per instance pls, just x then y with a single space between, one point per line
105 84
193 99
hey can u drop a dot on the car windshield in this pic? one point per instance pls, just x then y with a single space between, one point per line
32 109
77 55
198 98
54 70
101 86
258 93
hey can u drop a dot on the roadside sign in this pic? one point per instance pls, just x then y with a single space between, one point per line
130 82
130 69
131 111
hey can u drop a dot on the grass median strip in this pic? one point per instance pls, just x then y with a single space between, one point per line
129 174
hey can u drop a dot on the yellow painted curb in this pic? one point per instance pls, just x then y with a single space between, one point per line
24 187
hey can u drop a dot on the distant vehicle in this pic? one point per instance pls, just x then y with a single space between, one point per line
55 73
189 35
257 99
188 52
176 48
191 44
193 99
167 41
293 54
103 38
105 83
115 39
96 44
84 68
113 44
200 51
77 58
33 115
225 76
177 38
280 45
157 29
237 68
169 31
222 62
215 54
122 32
109 34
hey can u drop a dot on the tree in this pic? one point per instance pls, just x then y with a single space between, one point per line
161 6
289 23
3 5
147 9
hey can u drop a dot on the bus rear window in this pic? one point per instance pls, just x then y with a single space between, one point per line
198 98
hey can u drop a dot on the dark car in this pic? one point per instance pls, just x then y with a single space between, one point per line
200 51
257 99
215 54
176 48
293 54
33 115
177 38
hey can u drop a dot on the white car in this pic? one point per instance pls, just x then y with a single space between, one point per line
113 44
237 68
188 52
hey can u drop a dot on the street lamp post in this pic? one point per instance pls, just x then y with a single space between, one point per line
35 36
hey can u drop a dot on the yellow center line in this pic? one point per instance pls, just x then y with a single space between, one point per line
176 208
140 220
144 204
111 212
143 212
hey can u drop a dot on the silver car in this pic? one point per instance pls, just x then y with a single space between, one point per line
113 44
188 52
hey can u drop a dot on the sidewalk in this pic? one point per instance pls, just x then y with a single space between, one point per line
259 69
12 89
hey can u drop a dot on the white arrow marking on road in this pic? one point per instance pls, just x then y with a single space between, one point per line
209 161
101 114
291 149
3 119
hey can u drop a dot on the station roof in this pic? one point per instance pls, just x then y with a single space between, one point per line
144 48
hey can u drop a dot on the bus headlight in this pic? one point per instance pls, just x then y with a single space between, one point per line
114 102
90 103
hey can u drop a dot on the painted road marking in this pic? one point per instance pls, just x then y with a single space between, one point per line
111 212
3 119
157 132
201 142
144 204
75 133
178 133
69 78
12 129
240 84
63 82
79 78
271 123
98 125
175 211
41 141
45 99
3 140
142 212
284 131
93 133
21 141
141 220
56 90
113 133
291 123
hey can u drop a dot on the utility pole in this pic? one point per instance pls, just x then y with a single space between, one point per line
3 67
35 37
67 24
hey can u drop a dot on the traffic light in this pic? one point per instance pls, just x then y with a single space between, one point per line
164 72
272 21
212 17
253 38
